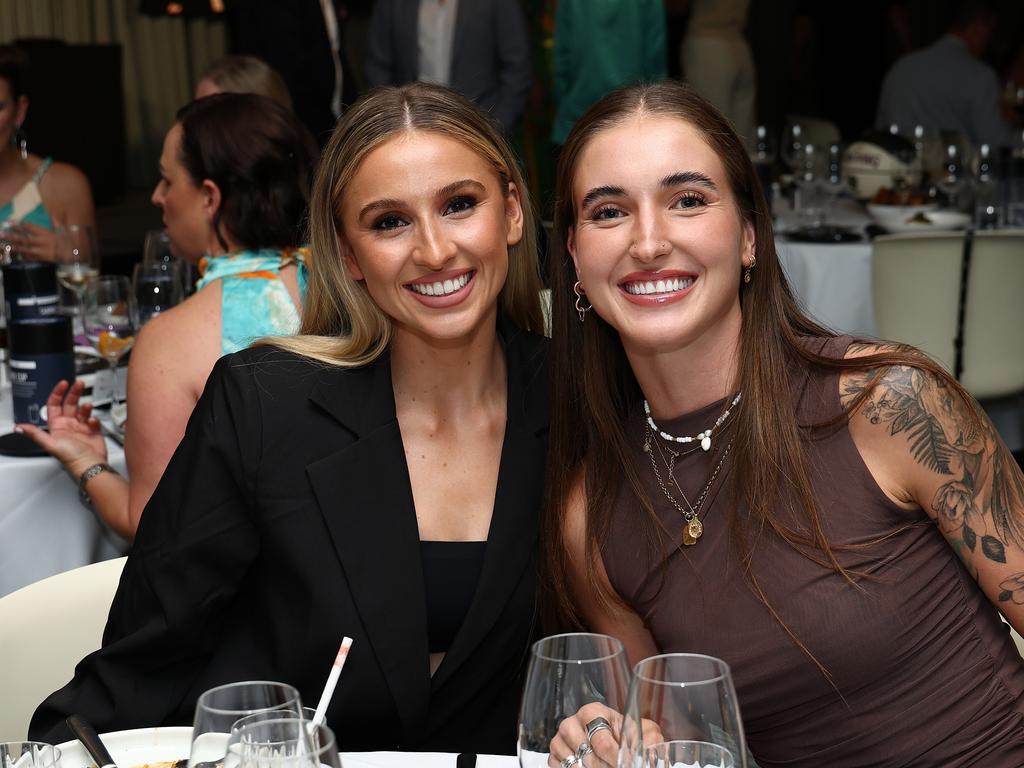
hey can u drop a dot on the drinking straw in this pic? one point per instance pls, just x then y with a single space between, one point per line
332 681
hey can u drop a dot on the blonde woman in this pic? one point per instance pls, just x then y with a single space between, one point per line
378 476
244 74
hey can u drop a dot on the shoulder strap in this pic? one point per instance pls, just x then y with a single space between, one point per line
43 168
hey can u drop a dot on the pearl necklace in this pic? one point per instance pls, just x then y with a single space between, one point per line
703 437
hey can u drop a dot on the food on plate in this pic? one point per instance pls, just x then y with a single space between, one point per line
893 196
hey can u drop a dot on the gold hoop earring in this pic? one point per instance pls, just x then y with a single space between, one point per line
580 296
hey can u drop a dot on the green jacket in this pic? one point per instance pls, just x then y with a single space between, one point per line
601 45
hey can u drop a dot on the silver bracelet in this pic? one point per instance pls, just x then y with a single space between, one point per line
88 475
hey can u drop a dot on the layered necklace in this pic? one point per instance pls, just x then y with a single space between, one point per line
692 526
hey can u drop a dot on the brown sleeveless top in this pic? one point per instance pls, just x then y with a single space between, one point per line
923 671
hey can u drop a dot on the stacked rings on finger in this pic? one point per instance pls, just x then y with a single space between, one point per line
569 761
583 750
595 725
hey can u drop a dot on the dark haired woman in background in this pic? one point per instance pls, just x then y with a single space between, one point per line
234 187
36 195
836 520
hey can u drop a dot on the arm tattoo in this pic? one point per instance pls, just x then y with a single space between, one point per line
983 499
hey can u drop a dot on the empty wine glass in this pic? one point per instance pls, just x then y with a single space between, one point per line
791 150
691 754
157 288
218 709
111 321
288 742
682 697
28 754
157 250
832 182
952 180
810 202
77 258
567 672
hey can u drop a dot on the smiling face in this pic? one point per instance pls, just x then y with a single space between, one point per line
659 243
427 227
186 205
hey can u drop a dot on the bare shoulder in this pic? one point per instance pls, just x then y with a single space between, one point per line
63 180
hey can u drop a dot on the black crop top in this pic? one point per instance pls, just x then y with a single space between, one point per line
451 570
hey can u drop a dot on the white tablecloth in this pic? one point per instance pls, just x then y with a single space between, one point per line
44 529
420 760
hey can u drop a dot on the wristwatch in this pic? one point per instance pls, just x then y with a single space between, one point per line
88 475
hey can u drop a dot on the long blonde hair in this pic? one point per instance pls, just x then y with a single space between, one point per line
341 324
248 74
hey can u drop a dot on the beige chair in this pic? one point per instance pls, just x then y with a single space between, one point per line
915 288
46 628
994 322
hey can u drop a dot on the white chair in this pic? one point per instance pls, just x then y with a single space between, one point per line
46 628
993 355
915 288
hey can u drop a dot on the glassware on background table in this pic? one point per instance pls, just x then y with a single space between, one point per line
157 288
833 183
157 250
809 202
565 673
28 754
687 697
111 320
77 257
692 754
791 149
218 709
951 181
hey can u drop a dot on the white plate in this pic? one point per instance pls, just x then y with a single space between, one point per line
937 221
132 748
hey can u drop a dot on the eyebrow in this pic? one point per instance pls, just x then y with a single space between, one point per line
677 179
445 191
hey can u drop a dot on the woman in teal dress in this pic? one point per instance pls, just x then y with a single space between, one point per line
36 194
234 187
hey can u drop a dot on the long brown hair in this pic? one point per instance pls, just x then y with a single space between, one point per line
592 384
341 324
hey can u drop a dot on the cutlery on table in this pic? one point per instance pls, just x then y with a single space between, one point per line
86 734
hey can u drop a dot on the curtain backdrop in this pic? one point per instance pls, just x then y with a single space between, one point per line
161 60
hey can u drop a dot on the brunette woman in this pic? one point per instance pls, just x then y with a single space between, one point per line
378 476
835 518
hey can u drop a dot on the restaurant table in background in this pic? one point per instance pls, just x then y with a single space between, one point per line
44 528
832 281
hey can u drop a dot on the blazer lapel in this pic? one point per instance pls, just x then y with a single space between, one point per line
364 493
515 520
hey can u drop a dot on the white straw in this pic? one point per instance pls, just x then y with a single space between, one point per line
332 681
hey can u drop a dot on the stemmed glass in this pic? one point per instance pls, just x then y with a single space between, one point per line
567 672
952 180
791 150
77 258
833 183
280 740
692 754
810 205
218 709
28 754
111 321
157 288
681 697
157 252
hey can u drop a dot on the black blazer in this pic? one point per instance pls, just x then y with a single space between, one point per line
285 521
490 53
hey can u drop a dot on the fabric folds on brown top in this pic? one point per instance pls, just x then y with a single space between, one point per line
923 671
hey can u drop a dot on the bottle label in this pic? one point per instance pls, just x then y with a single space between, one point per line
32 379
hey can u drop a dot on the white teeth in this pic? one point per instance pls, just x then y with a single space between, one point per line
670 285
441 288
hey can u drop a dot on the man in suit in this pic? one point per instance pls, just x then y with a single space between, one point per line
477 47
303 40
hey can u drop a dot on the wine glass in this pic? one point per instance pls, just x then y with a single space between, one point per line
157 250
695 754
219 708
157 287
280 740
111 321
809 196
28 754
681 697
567 672
951 180
792 149
78 259
833 183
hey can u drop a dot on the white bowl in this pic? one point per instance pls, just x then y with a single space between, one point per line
937 220
897 214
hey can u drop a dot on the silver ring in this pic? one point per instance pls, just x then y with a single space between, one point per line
595 725
583 750
569 761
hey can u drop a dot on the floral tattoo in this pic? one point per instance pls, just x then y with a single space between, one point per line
980 507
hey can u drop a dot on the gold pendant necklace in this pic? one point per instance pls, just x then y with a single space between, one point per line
693 528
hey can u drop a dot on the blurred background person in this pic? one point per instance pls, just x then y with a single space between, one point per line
303 40
480 48
234 189
37 195
600 47
946 87
244 74
716 60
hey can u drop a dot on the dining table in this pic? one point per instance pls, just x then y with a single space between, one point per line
830 280
44 527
